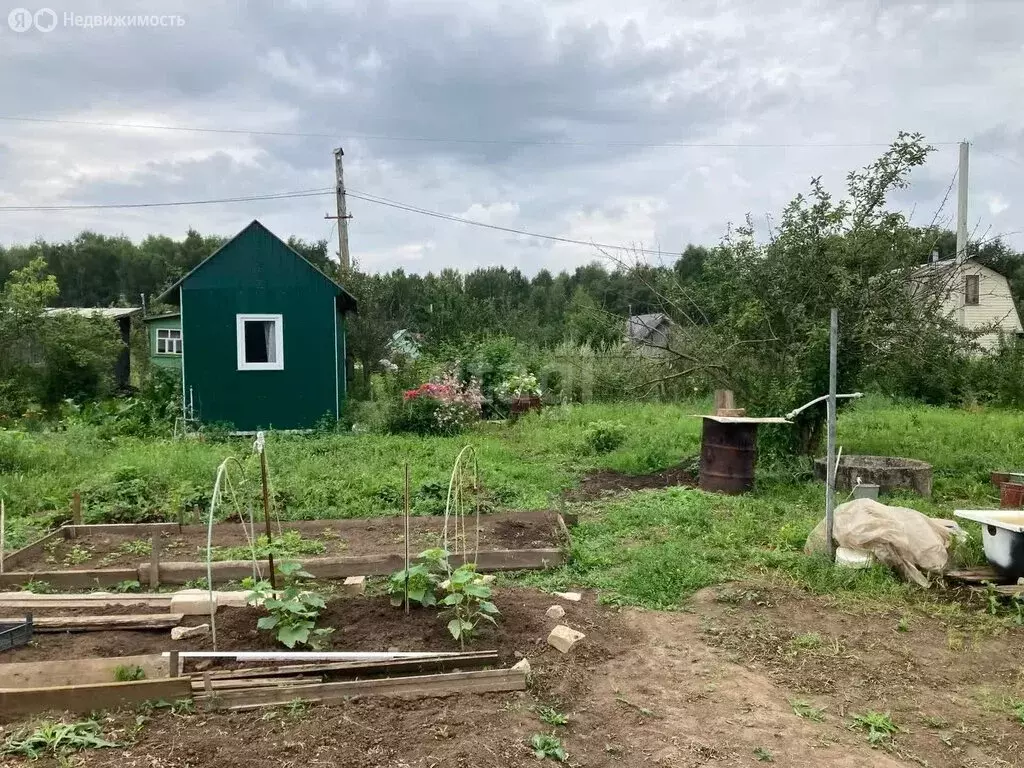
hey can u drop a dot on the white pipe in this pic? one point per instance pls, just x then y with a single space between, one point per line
815 401
312 655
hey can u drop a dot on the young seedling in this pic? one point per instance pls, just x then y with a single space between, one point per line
126 586
56 739
763 755
422 579
808 641
879 726
807 710
545 745
293 610
128 674
552 717
470 600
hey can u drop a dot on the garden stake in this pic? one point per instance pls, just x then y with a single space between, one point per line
407 538
260 446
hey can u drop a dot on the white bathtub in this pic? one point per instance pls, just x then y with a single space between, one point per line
1002 537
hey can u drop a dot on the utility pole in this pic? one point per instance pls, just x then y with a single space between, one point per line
342 216
961 203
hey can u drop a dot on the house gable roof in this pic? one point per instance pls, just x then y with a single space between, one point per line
642 326
345 300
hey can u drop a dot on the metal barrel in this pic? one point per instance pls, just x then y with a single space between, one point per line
728 455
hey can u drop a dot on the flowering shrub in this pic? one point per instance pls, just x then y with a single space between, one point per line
519 385
442 406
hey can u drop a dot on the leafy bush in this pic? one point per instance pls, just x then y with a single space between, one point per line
604 436
124 496
293 611
444 406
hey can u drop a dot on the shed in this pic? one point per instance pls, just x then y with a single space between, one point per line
123 317
261 337
650 332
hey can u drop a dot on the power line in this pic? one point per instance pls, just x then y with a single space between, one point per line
512 230
337 136
105 206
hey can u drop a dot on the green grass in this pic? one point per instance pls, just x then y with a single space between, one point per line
653 548
522 466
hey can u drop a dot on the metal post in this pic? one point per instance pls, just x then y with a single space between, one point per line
407 538
3 527
830 475
266 509
961 202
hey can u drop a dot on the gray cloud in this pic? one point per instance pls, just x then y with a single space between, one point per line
609 76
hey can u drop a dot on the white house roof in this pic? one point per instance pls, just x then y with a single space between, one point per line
114 313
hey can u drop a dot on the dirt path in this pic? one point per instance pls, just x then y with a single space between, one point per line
711 687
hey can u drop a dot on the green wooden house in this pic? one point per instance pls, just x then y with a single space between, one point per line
259 336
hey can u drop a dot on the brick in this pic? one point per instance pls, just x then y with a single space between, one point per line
192 604
572 597
563 638
555 612
522 665
355 585
183 633
230 599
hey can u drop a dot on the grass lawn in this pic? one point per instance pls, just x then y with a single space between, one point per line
652 548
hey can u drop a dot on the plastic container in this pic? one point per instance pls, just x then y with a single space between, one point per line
1002 536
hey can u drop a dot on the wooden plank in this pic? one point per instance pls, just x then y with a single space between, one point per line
154 562
44 674
87 698
482 681
976 575
90 578
30 551
245 684
346 565
1009 590
140 530
102 623
366 668
41 601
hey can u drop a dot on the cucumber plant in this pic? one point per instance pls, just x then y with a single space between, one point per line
470 601
293 610
422 579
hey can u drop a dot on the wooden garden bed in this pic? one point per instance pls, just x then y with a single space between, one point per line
83 556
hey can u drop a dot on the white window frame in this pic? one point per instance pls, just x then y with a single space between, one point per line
278 320
172 345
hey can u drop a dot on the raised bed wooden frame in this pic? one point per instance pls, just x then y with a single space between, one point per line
183 572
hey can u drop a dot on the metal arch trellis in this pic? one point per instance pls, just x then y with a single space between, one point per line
465 472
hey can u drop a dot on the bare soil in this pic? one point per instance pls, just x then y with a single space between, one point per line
711 686
605 482
382 535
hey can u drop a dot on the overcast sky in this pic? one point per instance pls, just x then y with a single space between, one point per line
561 107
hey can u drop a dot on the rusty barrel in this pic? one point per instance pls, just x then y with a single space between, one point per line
728 455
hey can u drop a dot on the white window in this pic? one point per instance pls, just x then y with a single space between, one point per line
168 341
260 342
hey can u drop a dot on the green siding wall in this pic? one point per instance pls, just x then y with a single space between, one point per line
170 362
257 274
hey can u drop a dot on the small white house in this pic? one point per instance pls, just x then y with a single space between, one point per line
977 297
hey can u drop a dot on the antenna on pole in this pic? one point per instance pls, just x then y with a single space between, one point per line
961 203
342 215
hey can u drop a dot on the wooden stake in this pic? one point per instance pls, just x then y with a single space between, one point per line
154 562
407 538
173 665
207 683
724 401
76 512
266 516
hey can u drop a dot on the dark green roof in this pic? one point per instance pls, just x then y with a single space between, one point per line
346 301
